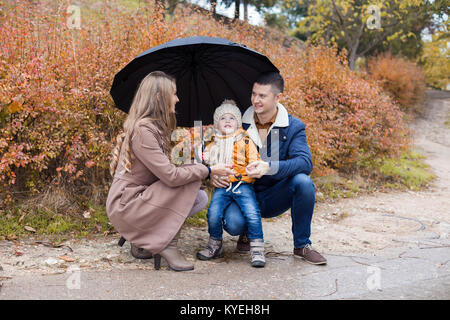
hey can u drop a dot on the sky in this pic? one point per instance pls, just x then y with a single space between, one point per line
253 16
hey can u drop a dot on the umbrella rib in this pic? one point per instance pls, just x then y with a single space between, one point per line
228 67
173 58
218 54
206 59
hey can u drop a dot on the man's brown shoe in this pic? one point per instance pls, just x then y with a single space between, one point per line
243 243
310 255
140 253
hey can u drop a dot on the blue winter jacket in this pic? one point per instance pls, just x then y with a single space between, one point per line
294 156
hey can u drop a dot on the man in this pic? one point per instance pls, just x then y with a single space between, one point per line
282 182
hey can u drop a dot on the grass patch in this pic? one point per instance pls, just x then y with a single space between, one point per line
24 221
200 218
409 171
338 186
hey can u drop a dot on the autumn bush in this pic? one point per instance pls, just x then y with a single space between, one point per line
402 78
58 122
348 119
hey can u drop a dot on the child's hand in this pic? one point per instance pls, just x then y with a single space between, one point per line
222 169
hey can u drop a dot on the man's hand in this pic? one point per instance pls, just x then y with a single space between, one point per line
219 181
257 169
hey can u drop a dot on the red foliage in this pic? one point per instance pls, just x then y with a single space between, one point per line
348 119
58 121
401 78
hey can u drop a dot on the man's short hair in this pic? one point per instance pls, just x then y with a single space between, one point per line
274 79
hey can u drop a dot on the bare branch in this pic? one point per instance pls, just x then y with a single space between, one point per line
338 14
373 44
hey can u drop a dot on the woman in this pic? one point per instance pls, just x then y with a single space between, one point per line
150 198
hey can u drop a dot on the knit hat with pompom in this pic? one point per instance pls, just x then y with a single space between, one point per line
228 106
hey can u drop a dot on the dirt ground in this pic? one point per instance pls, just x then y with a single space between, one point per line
365 225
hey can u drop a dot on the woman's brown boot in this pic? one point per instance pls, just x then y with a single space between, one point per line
173 257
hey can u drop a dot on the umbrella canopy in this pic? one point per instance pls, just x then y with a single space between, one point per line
207 71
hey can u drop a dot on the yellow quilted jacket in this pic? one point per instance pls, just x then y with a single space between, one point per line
244 152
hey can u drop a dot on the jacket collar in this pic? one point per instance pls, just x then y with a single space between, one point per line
282 120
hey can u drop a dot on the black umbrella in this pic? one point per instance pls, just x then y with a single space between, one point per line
208 70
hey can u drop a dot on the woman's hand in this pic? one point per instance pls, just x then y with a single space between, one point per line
257 169
220 175
220 181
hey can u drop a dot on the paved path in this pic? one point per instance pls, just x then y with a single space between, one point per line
402 273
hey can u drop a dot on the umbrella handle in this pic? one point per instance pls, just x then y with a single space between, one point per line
203 140
199 158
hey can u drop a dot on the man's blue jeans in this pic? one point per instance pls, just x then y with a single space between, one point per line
244 198
297 193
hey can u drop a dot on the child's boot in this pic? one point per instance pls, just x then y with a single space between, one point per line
212 250
257 253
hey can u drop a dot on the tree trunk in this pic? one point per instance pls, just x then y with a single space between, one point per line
246 10
237 9
352 59
172 7
213 6
354 48
160 5
328 34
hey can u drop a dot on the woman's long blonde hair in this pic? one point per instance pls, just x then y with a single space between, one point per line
151 103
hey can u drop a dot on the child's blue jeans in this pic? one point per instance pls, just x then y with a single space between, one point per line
245 198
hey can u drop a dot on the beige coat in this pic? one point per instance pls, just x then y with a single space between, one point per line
148 205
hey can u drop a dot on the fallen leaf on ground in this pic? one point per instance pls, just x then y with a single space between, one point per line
11 236
66 258
28 228
86 214
21 217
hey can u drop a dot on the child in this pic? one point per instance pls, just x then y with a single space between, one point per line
233 146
